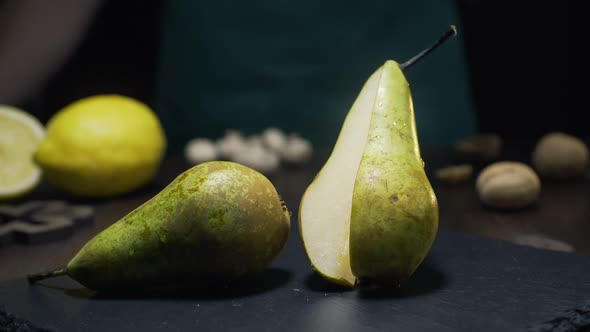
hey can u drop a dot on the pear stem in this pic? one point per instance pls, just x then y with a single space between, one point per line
40 276
451 32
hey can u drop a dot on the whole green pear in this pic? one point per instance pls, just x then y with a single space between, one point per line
215 222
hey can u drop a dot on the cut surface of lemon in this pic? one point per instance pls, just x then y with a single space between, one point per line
20 135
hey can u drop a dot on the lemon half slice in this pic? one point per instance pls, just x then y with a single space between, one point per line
20 134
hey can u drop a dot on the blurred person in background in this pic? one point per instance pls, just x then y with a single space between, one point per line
37 38
206 66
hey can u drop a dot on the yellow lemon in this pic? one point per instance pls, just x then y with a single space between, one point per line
20 134
101 146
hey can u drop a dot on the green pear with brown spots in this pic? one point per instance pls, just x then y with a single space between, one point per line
370 216
215 222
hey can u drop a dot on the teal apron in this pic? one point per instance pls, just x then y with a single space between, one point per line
299 65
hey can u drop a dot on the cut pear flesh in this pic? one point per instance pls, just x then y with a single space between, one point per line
324 216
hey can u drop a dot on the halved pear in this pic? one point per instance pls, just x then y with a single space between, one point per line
370 213
324 213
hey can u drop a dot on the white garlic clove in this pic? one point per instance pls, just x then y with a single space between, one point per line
200 150
257 157
297 150
274 139
230 144
254 140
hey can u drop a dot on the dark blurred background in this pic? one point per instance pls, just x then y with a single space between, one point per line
518 56
519 59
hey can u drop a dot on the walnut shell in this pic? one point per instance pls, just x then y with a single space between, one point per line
508 184
482 147
560 156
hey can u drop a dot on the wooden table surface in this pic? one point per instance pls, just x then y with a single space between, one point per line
562 213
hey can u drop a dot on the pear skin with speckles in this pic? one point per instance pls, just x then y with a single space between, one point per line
215 222
394 212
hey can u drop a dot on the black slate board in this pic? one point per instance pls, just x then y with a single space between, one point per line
466 284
